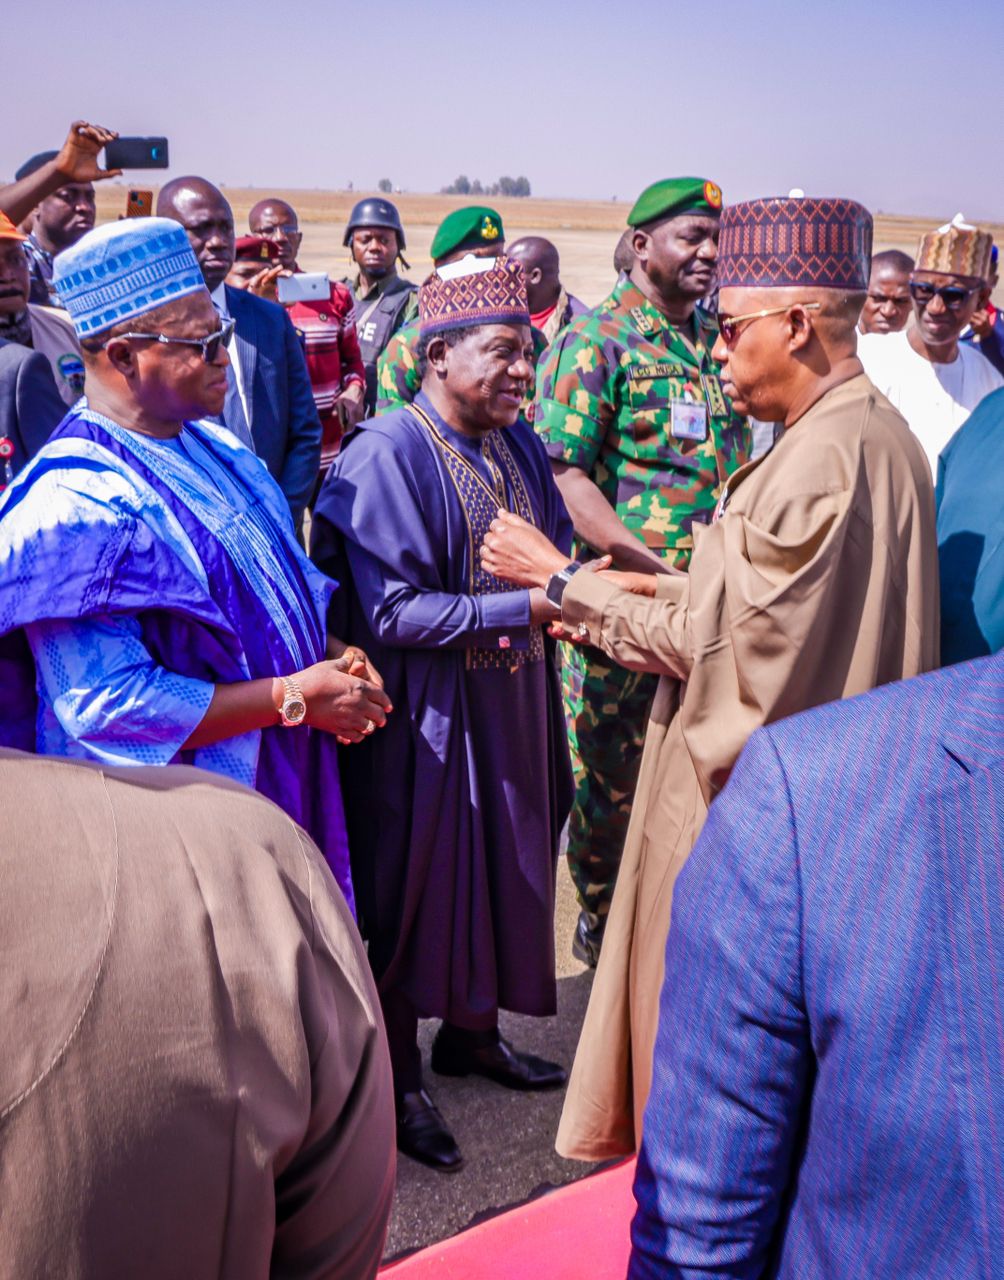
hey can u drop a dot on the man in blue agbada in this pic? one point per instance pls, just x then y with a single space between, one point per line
155 606
455 809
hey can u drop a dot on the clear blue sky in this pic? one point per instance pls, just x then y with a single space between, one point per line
899 103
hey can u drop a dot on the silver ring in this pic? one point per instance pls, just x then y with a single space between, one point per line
370 726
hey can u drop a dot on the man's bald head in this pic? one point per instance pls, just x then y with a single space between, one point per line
203 210
887 308
277 221
624 252
894 260
541 268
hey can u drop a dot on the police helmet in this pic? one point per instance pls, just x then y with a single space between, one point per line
375 212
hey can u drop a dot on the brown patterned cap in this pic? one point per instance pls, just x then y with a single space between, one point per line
473 291
956 249
784 242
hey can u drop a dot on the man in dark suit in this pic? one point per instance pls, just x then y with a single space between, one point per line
827 1097
269 403
30 405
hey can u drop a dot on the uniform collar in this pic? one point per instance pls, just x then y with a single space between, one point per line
376 290
629 300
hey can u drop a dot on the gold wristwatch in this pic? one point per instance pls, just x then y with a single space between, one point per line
294 707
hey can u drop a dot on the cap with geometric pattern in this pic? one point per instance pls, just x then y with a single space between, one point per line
473 291
783 242
956 249
124 269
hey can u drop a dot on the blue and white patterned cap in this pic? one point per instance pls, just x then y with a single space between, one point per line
123 269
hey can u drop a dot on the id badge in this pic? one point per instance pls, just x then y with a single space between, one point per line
688 421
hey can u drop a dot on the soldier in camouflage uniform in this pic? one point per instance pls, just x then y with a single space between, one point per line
642 439
474 229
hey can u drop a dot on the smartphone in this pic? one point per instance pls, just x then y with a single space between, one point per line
136 153
139 204
306 286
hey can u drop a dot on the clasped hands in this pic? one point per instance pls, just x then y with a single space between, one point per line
518 552
344 694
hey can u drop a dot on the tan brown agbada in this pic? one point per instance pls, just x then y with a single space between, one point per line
819 581
194 1077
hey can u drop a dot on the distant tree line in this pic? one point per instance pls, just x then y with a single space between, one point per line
506 186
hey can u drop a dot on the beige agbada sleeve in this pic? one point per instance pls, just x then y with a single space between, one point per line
819 582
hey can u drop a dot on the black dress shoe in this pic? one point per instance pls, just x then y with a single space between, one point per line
588 938
423 1135
452 1056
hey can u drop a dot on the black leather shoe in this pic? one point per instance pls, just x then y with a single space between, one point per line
588 938
499 1062
422 1133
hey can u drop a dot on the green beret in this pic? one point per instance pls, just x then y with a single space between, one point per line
467 228
673 196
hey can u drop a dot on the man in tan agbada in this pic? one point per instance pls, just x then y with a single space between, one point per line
194 1078
817 581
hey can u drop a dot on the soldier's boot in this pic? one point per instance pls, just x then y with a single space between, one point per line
588 938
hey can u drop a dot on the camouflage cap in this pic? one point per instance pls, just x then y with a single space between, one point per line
673 196
467 228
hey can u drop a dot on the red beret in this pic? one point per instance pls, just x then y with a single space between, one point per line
255 249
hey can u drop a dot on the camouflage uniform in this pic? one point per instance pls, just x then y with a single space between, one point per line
606 387
398 382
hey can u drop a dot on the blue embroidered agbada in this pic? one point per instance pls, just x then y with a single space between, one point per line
455 808
135 574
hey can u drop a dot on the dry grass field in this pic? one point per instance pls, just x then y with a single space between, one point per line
585 231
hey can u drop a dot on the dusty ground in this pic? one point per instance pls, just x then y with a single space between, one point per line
585 231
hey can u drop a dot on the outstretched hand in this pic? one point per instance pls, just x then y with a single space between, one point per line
517 552
78 159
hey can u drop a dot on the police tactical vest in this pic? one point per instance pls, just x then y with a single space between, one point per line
377 320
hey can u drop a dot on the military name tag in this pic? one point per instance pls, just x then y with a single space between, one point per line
688 421
648 372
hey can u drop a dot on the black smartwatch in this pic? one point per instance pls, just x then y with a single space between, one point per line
557 582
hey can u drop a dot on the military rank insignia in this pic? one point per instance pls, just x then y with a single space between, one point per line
489 229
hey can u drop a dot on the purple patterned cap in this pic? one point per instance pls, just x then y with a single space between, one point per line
781 242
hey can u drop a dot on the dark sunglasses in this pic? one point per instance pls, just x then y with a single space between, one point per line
952 295
210 344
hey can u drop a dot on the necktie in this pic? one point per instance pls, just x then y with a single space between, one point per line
233 416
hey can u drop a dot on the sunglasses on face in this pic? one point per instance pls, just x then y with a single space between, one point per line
729 325
952 295
210 344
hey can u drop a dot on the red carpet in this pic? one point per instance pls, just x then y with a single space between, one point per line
581 1232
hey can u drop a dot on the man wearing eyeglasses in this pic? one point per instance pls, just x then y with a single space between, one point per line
269 404
154 601
331 344
934 380
888 304
816 580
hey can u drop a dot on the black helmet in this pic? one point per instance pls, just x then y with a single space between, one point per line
375 212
